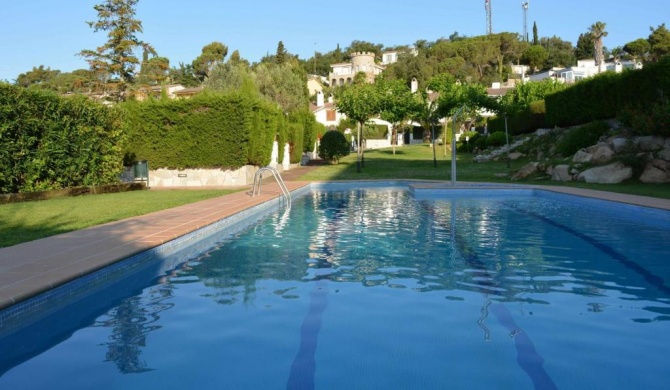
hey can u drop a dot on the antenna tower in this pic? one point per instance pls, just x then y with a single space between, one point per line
525 20
487 6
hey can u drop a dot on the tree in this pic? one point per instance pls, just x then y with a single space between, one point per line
211 55
584 47
233 76
116 57
183 75
597 32
510 48
659 42
638 49
154 71
40 77
280 57
359 102
559 52
535 57
333 146
396 104
536 41
285 85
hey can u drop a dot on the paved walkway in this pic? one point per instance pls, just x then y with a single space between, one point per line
34 267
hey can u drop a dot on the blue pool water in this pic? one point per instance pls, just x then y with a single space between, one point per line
379 288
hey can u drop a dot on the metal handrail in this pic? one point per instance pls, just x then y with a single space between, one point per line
258 178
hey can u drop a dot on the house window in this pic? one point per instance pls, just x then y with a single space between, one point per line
330 115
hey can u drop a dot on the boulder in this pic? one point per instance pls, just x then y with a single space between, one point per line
525 171
561 173
665 153
603 154
608 174
515 156
619 144
582 157
656 172
649 143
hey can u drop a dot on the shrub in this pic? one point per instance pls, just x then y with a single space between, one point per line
333 146
581 137
496 139
653 119
52 142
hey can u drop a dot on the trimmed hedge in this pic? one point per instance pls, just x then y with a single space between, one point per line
51 142
606 95
524 122
208 131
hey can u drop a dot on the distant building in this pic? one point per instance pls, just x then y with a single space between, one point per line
325 112
316 83
391 56
344 73
585 69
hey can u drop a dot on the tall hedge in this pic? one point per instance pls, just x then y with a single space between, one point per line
208 131
526 121
51 142
606 95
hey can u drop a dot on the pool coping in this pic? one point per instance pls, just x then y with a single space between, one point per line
30 269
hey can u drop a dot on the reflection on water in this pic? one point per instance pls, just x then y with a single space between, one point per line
492 262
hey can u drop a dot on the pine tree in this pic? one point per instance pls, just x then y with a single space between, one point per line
280 58
116 57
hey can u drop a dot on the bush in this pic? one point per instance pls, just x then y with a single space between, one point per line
52 142
333 146
581 137
495 139
653 119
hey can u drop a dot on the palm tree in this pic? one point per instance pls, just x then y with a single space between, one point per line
597 32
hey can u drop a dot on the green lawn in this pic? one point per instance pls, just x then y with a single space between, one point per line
21 222
416 162
27 221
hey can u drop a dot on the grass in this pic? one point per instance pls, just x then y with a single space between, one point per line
416 162
27 221
22 222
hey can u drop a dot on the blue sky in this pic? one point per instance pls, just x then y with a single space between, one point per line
51 32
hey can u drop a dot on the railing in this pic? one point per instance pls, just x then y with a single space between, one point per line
258 179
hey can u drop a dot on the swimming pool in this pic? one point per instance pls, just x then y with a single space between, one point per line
379 287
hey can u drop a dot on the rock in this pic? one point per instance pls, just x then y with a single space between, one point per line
649 143
619 144
608 174
561 173
582 157
603 154
665 153
657 172
525 171
515 156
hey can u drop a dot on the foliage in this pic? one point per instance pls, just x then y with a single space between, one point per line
231 77
648 119
606 95
280 57
581 137
596 34
51 142
116 57
207 131
284 84
495 139
584 47
659 42
523 121
184 75
359 102
154 71
560 53
638 48
211 55
333 146
535 57
397 103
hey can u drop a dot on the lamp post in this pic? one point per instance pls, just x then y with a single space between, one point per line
453 146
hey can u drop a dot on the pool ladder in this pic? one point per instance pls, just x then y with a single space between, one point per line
258 179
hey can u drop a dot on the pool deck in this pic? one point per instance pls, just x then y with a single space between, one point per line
34 267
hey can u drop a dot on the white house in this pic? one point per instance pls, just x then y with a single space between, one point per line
326 112
585 69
